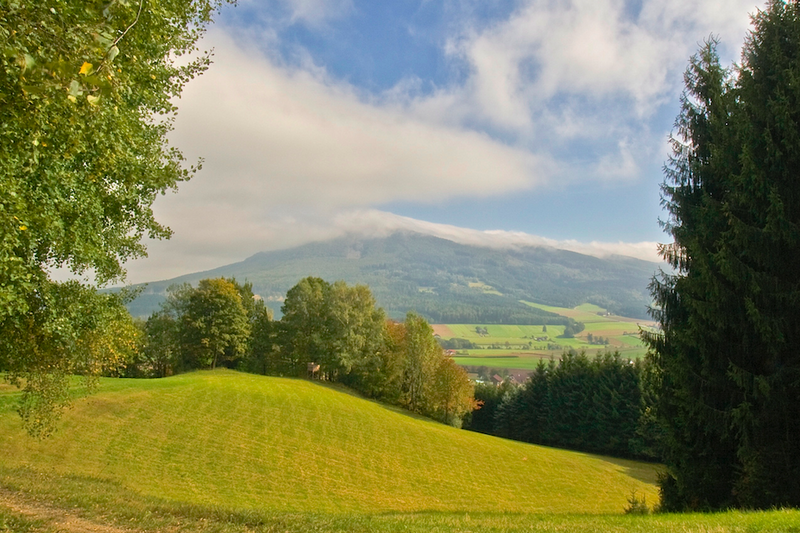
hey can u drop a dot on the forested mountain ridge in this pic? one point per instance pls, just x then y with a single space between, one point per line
444 281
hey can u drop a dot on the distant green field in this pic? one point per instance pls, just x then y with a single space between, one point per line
226 452
520 363
622 334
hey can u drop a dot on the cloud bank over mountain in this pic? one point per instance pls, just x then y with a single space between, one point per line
307 132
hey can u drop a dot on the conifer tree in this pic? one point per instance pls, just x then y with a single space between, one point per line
730 312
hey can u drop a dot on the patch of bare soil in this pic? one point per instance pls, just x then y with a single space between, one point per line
60 520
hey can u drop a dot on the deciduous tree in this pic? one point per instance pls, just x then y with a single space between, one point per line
214 327
422 356
87 92
67 329
303 330
453 393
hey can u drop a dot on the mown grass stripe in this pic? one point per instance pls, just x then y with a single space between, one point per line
249 442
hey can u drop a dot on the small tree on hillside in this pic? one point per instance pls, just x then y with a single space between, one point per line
453 393
303 330
422 356
355 328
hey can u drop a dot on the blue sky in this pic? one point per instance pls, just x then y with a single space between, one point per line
495 122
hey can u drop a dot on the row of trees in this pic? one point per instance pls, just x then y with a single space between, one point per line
338 327
597 405
219 322
457 343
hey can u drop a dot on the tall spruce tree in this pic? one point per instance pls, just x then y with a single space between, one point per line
729 375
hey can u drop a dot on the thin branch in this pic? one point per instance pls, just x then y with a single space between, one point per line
132 24
124 33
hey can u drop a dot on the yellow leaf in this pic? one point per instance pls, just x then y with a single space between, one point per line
23 228
86 68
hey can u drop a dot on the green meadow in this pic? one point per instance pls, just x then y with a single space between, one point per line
250 442
224 451
523 351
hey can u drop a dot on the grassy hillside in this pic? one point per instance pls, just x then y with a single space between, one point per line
222 452
248 442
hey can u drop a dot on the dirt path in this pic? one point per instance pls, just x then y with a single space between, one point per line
59 520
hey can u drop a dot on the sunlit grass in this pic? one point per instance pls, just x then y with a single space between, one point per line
227 452
245 441
105 502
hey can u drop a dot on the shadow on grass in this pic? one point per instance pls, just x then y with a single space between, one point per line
639 470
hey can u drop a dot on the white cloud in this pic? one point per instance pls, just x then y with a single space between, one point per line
376 223
292 137
282 145
554 59
619 165
288 150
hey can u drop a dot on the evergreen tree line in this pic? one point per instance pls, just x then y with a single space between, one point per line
332 332
599 405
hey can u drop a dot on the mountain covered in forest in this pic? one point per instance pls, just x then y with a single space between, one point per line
445 281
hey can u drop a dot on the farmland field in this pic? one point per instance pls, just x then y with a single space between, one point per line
526 345
227 452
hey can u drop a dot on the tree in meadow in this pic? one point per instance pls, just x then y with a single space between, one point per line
214 327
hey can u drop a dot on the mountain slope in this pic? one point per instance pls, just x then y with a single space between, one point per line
241 441
445 281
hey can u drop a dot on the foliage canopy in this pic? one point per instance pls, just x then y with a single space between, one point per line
86 101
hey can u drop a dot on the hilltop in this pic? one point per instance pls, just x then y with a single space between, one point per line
444 281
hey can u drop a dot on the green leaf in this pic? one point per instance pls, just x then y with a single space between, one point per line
27 62
75 88
104 39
